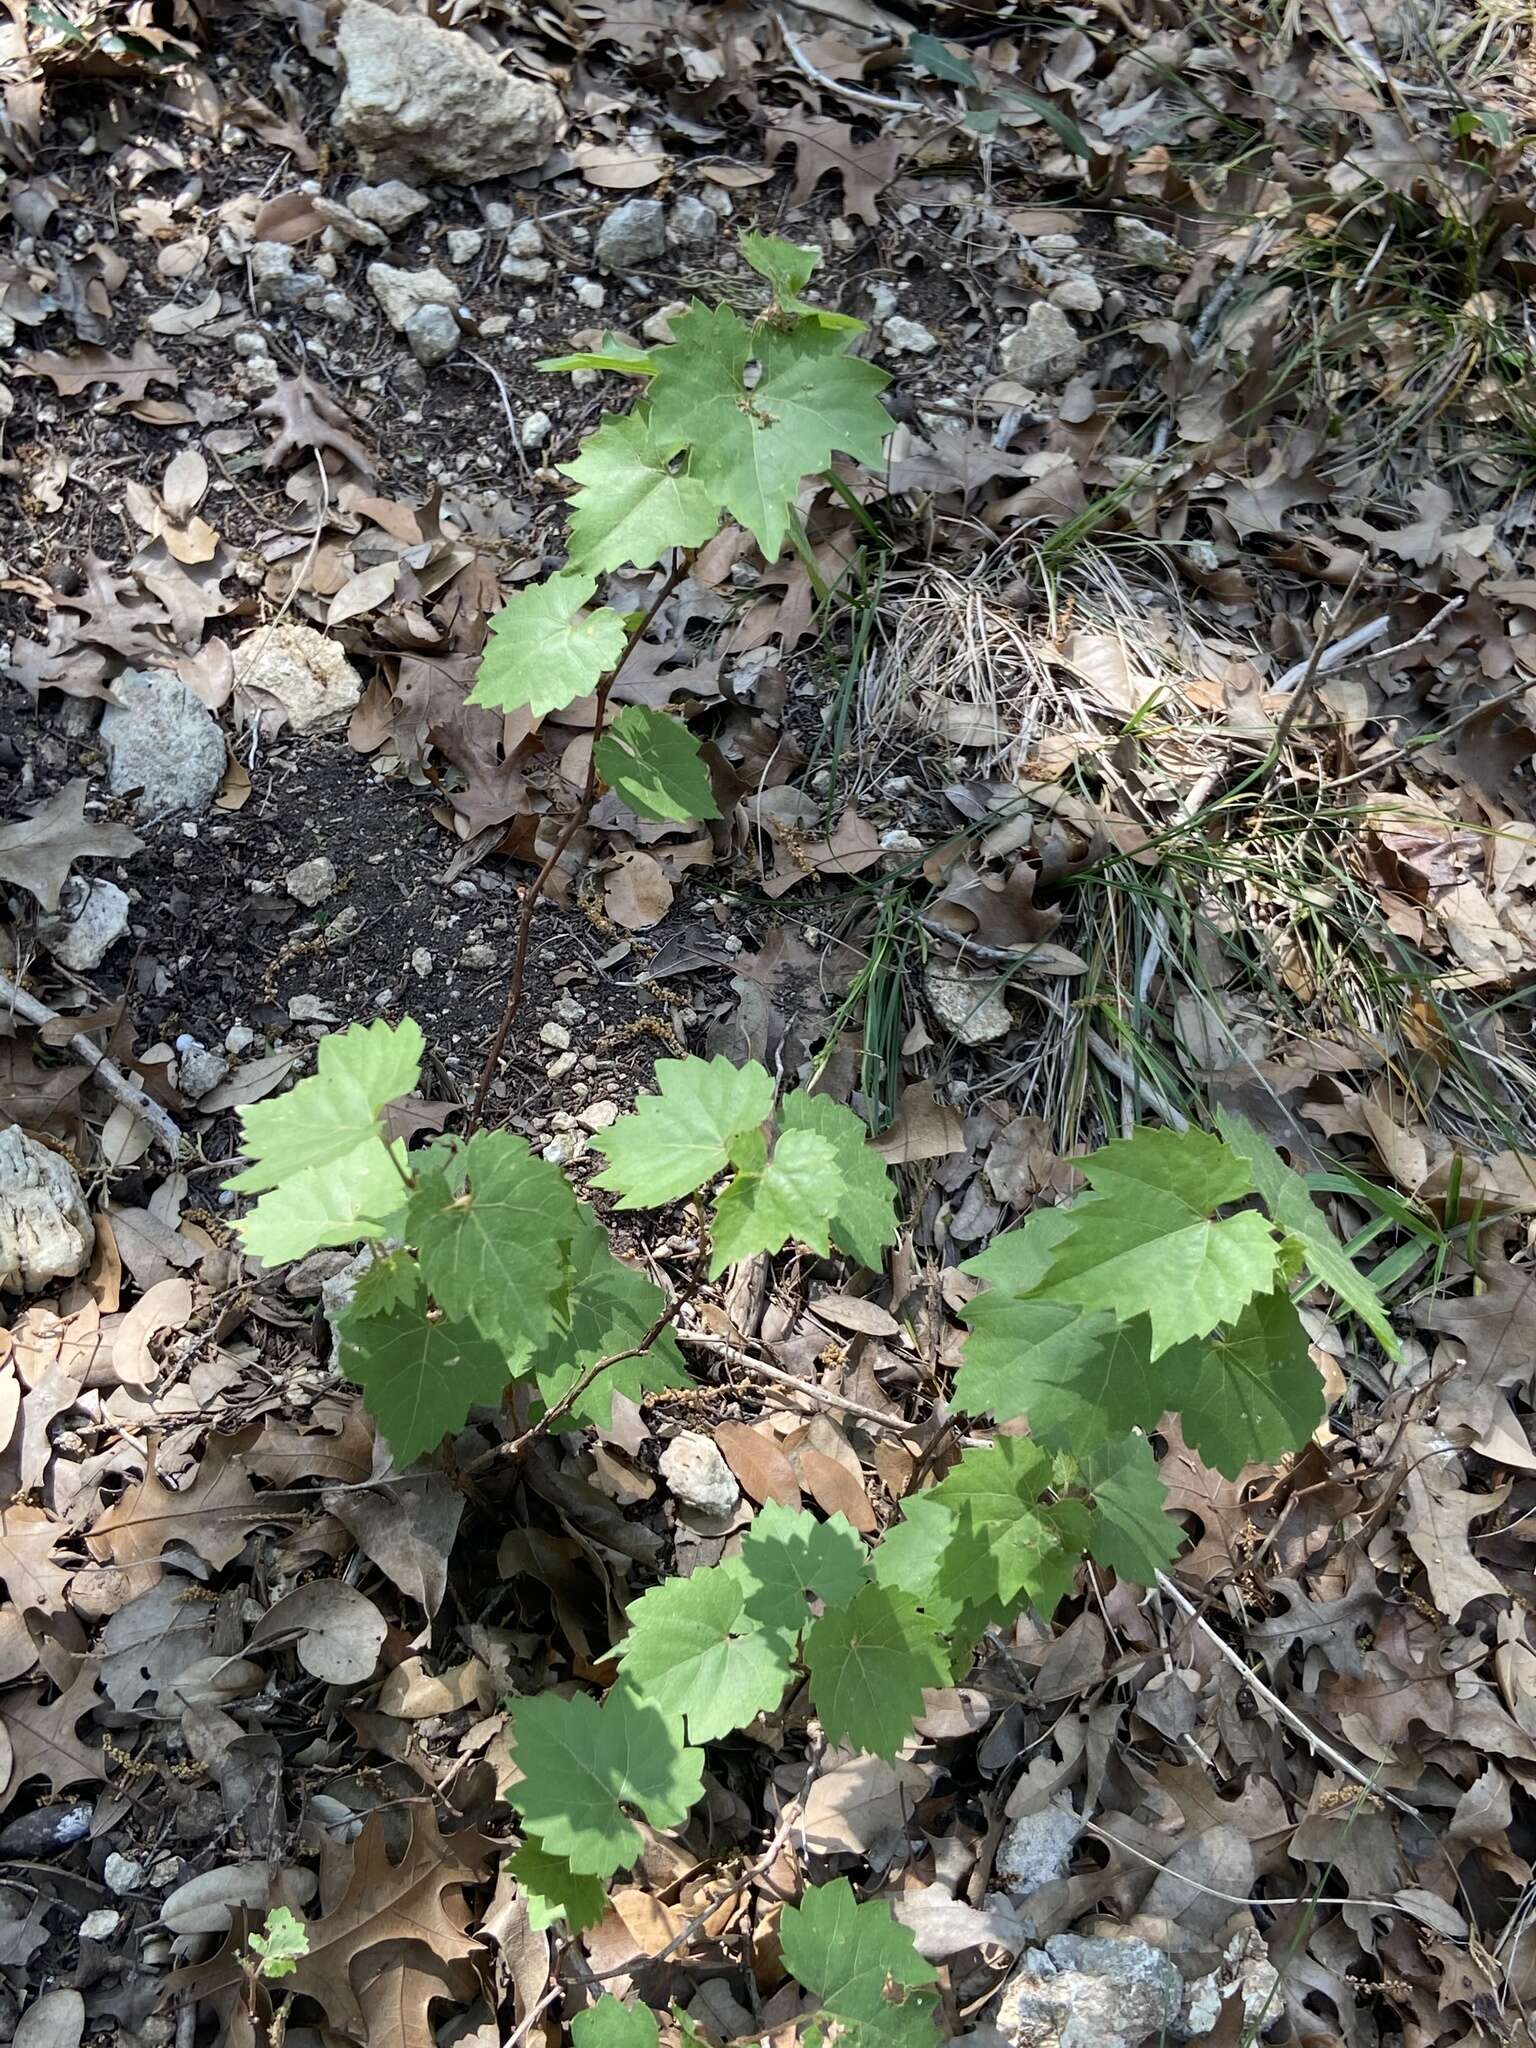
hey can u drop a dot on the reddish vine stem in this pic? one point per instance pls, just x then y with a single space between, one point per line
568 832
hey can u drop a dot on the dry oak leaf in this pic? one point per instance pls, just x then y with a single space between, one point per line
37 853
388 1904
307 419
213 1514
28 1537
43 1739
864 169
73 374
1438 1523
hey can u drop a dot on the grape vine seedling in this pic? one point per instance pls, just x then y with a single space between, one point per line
1166 1287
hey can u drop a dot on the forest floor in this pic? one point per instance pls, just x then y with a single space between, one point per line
1165 745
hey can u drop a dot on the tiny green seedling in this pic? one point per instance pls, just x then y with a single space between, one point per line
280 1946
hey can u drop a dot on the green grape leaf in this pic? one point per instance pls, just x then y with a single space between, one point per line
345 1201
336 1110
583 1764
787 1553
1286 1196
788 266
493 1235
420 1373
554 1891
609 1307
1131 1531
546 650
613 2024
1017 1262
864 1222
613 355
695 1651
675 1141
320 1146
1188 1167
1080 1376
632 504
869 1662
1254 1393
861 1963
793 1196
654 763
752 443
385 1284
1001 1542
1146 1252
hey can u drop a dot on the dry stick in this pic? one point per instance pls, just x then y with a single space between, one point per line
854 94
1255 1684
540 881
1309 673
1432 739
111 1077
721 1347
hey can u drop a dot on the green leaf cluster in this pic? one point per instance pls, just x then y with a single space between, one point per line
736 415
807 1174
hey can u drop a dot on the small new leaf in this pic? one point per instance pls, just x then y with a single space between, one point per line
554 1891
283 1940
420 1372
794 1195
583 1764
546 650
869 1662
677 1140
654 763
695 1650
636 498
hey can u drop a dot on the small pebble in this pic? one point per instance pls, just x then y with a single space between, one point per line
100 1925
597 1116
464 244
122 1873
555 1035
421 963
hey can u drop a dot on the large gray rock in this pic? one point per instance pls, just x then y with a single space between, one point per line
387 207
698 1475
633 234
90 919
428 102
162 740
46 1232
1090 1991
968 1006
433 334
1045 350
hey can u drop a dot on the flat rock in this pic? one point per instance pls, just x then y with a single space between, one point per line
433 334
904 337
46 1232
1089 1991
1044 351
163 741
633 234
405 293
698 1475
290 674
91 918
1037 1848
1139 242
387 207
968 1006
428 102
311 881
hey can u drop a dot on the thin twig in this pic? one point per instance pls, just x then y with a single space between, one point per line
111 1077
1231 1898
505 396
1436 738
1149 1092
1309 674
1309 1735
572 826
721 1347
854 94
